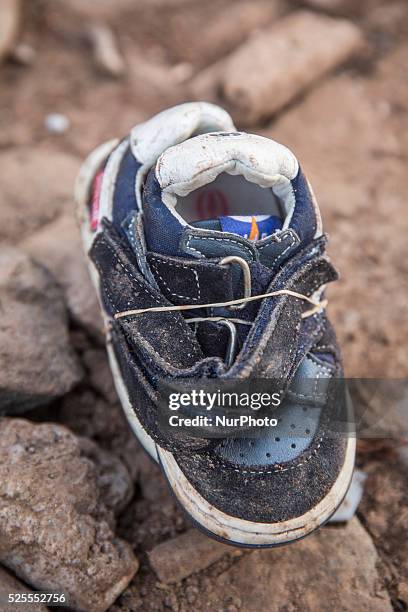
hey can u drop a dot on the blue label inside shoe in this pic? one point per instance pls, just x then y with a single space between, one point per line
252 227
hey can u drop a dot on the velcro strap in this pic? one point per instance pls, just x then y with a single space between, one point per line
185 281
289 337
146 401
165 337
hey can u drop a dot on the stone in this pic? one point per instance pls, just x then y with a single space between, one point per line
37 363
343 7
58 247
336 569
113 479
152 482
10 21
225 28
102 10
108 59
106 11
388 19
385 512
161 80
56 123
281 62
10 584
23 54
89 415
206 84
99 373
240 20
37 186
53 528
326 5
190 552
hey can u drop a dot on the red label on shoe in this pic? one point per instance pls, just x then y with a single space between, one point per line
211 204
96 197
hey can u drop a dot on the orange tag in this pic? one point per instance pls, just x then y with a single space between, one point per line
254 234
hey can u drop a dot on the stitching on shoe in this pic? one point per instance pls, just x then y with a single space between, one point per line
190 249
178 323
321 367
107 290
324 347
278 470
277 239
300 463
216 239
294 395
292 242
126 269
175 265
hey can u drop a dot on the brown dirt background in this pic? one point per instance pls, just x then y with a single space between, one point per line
350 132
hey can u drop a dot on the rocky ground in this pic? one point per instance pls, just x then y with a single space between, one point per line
82 509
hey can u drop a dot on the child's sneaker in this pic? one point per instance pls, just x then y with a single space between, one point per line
187 212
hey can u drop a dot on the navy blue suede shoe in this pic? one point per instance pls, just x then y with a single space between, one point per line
206 248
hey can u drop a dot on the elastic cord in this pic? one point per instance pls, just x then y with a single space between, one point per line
317 306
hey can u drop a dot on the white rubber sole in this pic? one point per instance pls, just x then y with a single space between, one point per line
228 528
239 531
